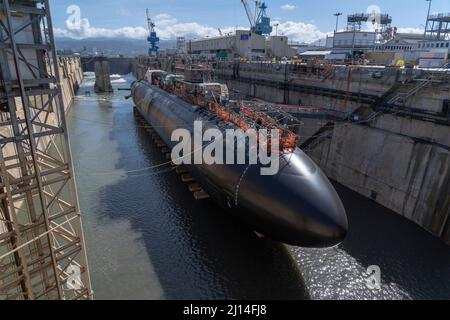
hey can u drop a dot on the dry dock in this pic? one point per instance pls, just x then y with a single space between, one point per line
180 248
392 141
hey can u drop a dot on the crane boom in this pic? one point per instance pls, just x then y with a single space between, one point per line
249 13
149 22
257 5
260 21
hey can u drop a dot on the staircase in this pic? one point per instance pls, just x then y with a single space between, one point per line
386 97
420 84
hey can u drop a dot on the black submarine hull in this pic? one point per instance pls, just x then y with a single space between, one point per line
297 206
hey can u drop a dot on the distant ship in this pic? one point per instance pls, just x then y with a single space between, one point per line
297 206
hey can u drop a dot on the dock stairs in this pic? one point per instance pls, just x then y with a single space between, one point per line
400 98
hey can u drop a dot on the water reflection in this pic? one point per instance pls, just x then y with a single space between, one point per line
414 264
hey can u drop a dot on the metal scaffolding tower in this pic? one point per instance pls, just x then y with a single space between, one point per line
382 22
355 21
438 27
42 251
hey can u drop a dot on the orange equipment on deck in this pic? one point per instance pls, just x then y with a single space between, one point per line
247 119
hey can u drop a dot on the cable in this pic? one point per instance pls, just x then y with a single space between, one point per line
109 124
152 167
38 237
112 173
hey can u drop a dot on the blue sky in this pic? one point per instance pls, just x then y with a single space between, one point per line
302 20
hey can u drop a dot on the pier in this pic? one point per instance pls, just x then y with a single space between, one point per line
102 75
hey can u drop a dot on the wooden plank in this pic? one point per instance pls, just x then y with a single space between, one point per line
201 195
181 170
195 187
187 178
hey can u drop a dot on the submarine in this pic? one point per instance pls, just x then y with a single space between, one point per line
297 206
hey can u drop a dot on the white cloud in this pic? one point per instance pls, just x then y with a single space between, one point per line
300 31
169 27
288 7
82 29
411 30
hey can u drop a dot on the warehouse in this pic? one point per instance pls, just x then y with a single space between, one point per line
243 43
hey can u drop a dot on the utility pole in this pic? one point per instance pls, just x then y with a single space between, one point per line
353 44
428 16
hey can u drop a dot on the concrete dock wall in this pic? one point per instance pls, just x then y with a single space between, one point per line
102 76
343 88
116 65
71 72
406 175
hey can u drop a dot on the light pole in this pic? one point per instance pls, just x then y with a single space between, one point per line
428 16
276 28
337 15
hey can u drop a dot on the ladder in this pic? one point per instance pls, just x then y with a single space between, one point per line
420 85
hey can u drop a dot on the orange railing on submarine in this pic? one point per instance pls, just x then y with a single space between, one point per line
245 120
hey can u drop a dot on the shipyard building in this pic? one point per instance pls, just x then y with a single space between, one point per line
385 45
243 43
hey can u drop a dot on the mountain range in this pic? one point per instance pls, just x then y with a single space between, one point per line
108 46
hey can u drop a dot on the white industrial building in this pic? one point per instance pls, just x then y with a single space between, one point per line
400 41
243 43
278 46
315 55
434 45
412 48
354 39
